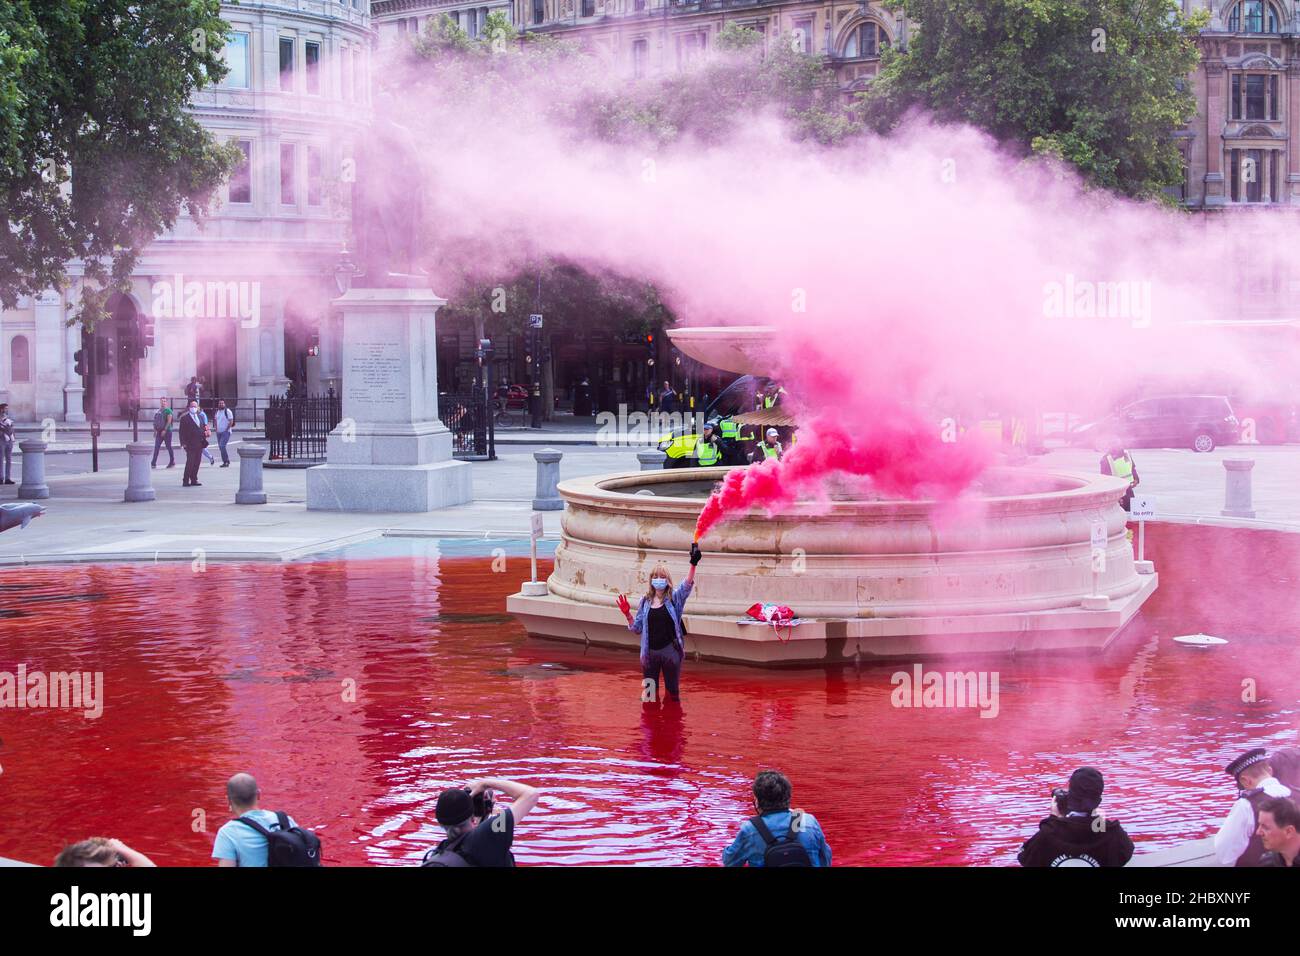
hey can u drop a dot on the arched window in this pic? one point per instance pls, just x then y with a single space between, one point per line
20 361
1254 16
867 39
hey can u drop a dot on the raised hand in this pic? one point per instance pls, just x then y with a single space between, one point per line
695 553
625 607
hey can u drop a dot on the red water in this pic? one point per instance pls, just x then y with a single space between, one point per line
242 667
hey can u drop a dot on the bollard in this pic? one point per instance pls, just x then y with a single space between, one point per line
33 484
250 474
548 476
1237 499
652 459
139 476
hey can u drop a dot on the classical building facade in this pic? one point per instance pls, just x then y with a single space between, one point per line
1243 148
398 19
244 302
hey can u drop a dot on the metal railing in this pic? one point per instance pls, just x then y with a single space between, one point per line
298 426
473 432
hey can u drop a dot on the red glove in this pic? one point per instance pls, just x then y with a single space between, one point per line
624 607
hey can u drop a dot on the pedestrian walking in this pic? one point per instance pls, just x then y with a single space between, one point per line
207 434
6 446
225 422
163 419
193 441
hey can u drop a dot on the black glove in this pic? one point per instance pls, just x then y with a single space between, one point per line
695 554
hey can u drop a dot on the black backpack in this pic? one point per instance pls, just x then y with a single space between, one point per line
785 852
288 846
159 420
447 853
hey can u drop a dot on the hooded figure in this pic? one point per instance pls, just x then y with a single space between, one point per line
1075 834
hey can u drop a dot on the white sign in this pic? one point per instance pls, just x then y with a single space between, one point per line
535 321
537 525
1098 535
1142 508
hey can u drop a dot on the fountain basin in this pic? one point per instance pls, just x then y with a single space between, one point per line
1002 572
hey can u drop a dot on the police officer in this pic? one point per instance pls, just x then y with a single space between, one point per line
708 451
770 447
1238 843
774 396
1118 462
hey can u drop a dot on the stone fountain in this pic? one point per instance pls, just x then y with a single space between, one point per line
869 578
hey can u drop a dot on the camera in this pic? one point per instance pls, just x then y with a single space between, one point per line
482 803
1059 795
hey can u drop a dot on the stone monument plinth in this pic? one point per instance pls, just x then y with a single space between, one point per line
389 452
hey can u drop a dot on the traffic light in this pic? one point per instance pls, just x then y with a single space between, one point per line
313 344
650 348
103 356
80 357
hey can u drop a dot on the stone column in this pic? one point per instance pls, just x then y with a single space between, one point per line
389 452
33 479
139 476
1266 174
73 389
1215 103
1237 499
548 476
250 490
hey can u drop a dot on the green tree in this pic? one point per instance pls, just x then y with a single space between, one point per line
1097 83
98 153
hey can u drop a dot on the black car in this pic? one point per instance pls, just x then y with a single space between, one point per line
1199 422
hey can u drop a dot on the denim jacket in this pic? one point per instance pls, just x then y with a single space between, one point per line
675 603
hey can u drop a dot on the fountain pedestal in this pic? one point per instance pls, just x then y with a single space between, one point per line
389 452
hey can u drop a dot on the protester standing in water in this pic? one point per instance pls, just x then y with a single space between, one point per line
658 620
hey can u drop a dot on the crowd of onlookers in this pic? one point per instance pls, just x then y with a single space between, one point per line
479 820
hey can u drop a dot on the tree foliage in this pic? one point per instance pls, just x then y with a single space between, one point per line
1097 83
98 153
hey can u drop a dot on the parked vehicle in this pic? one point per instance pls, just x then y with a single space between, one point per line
736 399
1199 422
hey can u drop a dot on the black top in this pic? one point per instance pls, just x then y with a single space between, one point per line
488 844
662 632
1073 841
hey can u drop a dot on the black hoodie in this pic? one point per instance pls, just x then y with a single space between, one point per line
1072 841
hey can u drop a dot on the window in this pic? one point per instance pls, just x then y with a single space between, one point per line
1254 96
640 52
241 180
20 362
539 11
315 168
689 48
1253 16
588 8
288 157
312 61
1250 170
235 53
866 40
286 64
345 78
803 31
355 62
638 6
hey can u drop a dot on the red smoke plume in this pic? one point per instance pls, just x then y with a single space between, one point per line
902 457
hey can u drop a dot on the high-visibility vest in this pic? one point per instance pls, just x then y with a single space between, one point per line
730 429
1121 467
771 399
707 453
770 451
681 447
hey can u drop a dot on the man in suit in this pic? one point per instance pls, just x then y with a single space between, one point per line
193 441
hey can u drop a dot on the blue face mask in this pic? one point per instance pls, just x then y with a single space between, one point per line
658 583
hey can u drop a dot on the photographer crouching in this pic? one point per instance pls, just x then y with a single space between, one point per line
479 830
